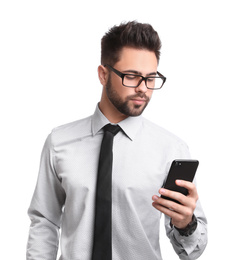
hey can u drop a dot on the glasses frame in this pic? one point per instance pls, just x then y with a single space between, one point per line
122 75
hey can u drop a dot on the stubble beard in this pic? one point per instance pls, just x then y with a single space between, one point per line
123 106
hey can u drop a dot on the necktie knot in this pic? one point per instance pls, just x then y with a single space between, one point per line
114 129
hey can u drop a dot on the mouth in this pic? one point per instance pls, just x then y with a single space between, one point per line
138 100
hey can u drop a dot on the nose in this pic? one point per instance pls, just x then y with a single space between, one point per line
142 87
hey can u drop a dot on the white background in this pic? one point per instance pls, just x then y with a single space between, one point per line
49 53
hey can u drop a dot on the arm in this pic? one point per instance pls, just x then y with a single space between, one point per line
45 210
179 216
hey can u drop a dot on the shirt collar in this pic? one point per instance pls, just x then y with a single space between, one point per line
98 121
130 125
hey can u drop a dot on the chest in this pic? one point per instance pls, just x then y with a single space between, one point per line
138 166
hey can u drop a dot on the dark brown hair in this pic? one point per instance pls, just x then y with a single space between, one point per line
131 34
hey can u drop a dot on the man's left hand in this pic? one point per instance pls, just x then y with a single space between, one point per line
180 214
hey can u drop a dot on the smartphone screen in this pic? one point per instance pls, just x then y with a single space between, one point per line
180 170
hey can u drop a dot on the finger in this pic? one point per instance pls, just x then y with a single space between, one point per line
174 195
186 184
170 213
172 206
192 191
179 214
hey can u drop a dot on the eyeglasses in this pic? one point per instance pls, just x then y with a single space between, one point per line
134 80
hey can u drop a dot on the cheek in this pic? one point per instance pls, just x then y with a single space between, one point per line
121 90
125 92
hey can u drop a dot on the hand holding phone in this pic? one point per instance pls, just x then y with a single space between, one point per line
180 170
181 215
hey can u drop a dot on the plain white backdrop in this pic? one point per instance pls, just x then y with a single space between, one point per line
49 53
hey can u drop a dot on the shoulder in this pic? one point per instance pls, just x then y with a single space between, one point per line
160 134
71 131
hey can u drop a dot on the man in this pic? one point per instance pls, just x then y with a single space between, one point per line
65 195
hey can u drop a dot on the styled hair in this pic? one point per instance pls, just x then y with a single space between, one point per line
131 34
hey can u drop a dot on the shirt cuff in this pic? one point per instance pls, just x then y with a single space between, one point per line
188 243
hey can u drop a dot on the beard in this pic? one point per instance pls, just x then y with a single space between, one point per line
123 106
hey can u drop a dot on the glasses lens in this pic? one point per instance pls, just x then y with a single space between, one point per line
154 82
131 80
134 80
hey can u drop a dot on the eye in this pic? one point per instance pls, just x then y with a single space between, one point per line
151 79
130 77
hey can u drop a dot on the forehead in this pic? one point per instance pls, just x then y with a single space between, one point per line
141 60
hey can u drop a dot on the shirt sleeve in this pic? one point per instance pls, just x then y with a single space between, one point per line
191 247
45 210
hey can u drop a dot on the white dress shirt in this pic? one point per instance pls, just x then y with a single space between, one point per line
64 196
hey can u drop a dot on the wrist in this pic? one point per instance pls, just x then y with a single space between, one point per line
189 229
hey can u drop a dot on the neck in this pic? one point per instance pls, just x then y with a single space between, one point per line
109 110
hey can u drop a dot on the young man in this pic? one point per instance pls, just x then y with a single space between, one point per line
65 195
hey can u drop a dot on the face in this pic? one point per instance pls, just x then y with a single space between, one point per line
131 101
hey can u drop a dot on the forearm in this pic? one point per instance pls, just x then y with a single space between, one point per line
43 238
190 247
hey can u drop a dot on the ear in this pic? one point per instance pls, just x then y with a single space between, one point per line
103 75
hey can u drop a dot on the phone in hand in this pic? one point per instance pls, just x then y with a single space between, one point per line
180 170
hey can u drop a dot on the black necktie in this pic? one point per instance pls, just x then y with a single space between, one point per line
102 247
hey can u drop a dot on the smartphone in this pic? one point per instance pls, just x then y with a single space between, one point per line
180 170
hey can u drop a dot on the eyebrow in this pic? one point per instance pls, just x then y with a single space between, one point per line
139 73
